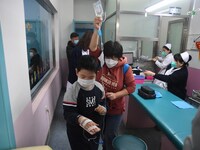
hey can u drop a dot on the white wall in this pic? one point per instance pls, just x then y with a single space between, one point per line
31 120
83 10
66 15
56 31
133 5
140 5
13 33
194 32
110 6
138 25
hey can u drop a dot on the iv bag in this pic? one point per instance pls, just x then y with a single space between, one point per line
98 9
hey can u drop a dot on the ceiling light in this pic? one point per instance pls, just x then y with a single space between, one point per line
163 11
159 5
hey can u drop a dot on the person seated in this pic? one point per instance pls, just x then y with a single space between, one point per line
163 62
176 76
35 62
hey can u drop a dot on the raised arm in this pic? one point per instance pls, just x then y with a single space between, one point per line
95 37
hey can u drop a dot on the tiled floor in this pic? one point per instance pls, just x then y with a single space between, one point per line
58 139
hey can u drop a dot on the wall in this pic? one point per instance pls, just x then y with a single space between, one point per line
15 54
194 69
66 15
142 4
31 120
83 10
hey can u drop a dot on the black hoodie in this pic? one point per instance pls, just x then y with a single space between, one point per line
69 49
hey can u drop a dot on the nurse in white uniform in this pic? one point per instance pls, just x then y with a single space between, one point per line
163 62
176 75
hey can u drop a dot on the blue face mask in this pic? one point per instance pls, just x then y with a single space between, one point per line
76 41
173 64
164 54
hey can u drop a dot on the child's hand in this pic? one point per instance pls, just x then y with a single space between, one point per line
101 110
92 127
88 125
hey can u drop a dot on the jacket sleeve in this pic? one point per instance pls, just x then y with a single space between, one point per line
129 81
175 77
70 106
98 54
164 63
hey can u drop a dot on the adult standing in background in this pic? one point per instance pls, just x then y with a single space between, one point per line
74 39
82 48
163 62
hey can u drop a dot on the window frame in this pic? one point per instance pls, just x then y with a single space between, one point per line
47 5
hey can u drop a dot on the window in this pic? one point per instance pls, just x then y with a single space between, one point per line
129 56
40 54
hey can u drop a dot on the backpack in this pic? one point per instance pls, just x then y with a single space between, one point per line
125 68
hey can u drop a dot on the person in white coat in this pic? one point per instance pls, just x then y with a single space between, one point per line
163 62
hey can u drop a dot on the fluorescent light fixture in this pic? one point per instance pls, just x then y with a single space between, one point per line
159 5
163 11
145 14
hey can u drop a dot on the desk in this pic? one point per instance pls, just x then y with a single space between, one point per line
174 122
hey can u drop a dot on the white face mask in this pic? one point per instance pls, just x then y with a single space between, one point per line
76 42
31 54
86 83
110 62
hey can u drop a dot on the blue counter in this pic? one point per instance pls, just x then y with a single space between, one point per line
173 121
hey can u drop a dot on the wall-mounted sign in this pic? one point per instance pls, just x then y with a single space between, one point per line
197 43
175 10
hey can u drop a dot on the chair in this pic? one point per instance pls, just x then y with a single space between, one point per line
35 148
128 142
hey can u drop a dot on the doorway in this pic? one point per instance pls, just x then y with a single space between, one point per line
176 35
81 27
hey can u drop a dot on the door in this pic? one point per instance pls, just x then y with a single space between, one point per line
7 140
81 27
176 35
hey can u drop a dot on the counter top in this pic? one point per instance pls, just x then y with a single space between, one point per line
173 121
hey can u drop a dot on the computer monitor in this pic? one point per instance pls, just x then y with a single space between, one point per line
129 56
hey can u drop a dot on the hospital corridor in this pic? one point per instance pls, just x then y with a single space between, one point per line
99 74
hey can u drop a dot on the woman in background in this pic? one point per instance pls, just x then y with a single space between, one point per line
163 62
176 76
118 81
82 48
